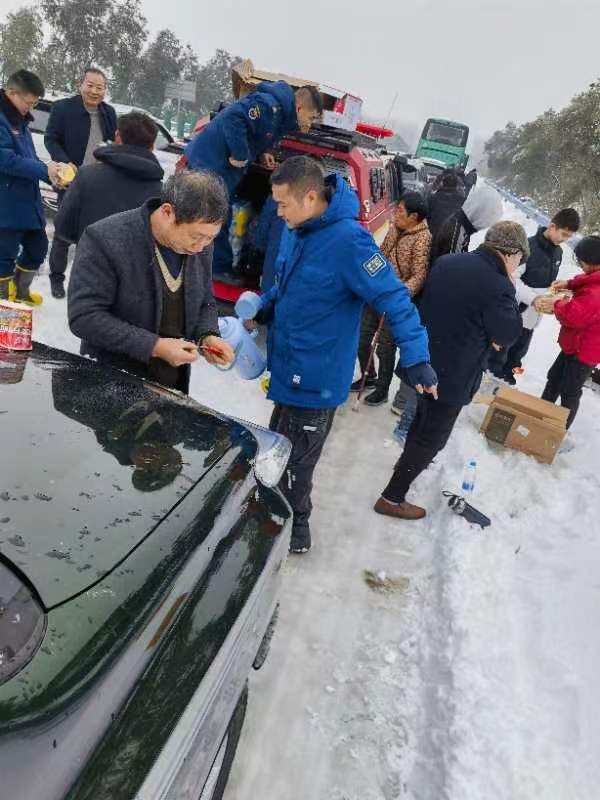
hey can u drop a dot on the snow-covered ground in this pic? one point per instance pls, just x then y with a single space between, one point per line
472 675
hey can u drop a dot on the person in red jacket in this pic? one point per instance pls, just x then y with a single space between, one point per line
579 338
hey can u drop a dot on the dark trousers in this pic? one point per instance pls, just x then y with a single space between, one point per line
428 434
565 380
307 429
59 253
386 349
26 248
502 363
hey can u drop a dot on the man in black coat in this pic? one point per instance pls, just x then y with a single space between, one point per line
444 202
469 308
76 126
140 295
125 175
539 274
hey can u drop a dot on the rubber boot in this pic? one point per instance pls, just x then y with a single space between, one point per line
5 288
23 279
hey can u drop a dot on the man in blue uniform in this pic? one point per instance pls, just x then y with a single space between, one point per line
328 267
23 241
241 133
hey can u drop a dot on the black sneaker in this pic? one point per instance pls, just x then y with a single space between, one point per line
376 398
58 289
370 383
300 542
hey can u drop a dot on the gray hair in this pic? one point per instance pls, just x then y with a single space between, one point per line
196 196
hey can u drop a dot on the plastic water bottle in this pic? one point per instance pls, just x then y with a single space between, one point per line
249 361
248 305
468 482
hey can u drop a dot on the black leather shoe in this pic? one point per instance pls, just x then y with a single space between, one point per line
376 398
369 384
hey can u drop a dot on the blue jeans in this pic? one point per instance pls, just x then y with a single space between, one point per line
406 399
27 248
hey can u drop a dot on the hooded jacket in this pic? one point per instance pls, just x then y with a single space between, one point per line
68 129
442 205
20 171
482 208
468 303
243 131
124 177
327 269
580 319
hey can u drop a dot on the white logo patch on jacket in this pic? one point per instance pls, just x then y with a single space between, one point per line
374 264
254 112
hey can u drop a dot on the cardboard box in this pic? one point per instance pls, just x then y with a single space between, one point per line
341 109
525 423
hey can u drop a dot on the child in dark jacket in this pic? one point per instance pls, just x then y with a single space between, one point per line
579 338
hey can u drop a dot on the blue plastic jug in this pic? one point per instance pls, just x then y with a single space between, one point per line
249 360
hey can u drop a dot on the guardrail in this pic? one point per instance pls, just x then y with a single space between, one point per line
530 211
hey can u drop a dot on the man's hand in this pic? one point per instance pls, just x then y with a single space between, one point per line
54 174
268 161
422 378
559 286
497 347
175 352
217 351
538 304
237 164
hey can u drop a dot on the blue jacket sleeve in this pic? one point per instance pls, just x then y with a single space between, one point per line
243 119
53 138
16 165
368 274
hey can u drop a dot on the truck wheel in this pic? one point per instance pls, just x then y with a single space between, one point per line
216 782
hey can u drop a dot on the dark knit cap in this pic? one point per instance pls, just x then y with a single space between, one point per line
588 250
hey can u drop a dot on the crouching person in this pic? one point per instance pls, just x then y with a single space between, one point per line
469 308
140 295
328 267
580 332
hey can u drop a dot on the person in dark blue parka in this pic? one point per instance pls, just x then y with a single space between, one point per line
245 130
22 221
469 308
328 267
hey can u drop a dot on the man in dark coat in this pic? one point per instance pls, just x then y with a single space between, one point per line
241 133
22 221
445 202
76 126
539 274
140 295
125 175
468 307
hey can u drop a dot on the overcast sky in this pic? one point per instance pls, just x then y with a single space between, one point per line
483 62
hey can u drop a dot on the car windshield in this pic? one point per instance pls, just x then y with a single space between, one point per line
446 134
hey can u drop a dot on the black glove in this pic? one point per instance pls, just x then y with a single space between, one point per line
418 375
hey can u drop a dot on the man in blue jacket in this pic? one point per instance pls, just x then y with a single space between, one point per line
76 127
241 133
328 267
22 221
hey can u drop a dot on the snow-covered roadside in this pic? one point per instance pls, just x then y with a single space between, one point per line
473 677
